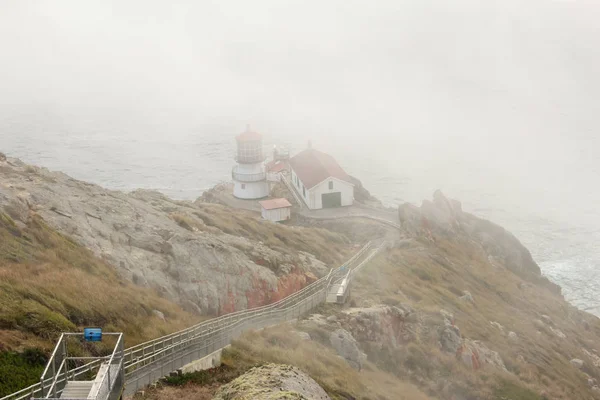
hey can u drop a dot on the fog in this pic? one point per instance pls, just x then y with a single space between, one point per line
497 95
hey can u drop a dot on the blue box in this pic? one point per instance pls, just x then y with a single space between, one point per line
92 334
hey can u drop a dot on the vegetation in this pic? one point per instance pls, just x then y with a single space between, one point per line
431 276
277 345
22 368
50 284
327 246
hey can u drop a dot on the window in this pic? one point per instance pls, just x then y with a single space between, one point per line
243 186
330 185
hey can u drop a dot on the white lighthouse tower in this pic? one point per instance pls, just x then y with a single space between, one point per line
249 176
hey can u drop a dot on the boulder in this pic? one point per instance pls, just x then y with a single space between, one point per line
467 296
272 381
577 363
382 325
497 325
512 336
450 339
475 354
159 314
302 335
347 347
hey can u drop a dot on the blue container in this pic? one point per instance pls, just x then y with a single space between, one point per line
92 334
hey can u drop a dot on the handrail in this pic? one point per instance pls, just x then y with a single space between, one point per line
110 361
54 381
150 352
240 312
58 344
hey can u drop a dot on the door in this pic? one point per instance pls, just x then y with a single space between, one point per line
331 199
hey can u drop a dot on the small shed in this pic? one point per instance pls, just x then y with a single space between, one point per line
276 209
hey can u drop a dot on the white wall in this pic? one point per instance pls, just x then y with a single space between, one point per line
277 214
313 196
250 190
250 168
345 188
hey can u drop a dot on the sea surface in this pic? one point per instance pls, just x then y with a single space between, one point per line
549 203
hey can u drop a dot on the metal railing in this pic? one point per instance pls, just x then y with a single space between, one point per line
57 374
292 190
147 362
241 177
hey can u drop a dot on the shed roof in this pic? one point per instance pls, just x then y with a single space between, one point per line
272 204
276 166
313 167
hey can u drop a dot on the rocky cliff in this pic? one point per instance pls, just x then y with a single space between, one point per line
206 257
443 217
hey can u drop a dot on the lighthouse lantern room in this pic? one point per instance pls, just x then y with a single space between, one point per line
249 175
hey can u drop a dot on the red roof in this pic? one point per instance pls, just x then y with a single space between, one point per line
272 204
276 166
313 167
248 136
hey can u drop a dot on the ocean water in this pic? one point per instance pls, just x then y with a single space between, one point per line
561 231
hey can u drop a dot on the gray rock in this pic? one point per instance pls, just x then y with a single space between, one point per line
467 296
450 339
512 336
268 381
497 325
577 363
206 271
302 335
159 314
347 347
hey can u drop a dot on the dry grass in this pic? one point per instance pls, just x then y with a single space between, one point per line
431 277
340 381
49 284
331 248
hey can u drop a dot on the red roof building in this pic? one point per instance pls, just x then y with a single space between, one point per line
276 209
313 167
320 181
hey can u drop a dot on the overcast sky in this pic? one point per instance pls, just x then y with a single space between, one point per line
512 84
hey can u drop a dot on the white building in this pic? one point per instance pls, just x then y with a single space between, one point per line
276 209
320 181
249 176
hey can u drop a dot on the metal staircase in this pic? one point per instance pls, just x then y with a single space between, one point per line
123 372
81 378
77 390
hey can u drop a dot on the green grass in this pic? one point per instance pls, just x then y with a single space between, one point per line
49 284
19 370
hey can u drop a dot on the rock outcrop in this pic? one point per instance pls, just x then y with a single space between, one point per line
444 217
347 347
273 382
387 326
173 246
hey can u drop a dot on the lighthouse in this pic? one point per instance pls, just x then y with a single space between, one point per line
249 176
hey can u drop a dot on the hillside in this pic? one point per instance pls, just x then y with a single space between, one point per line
73 254
456 309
